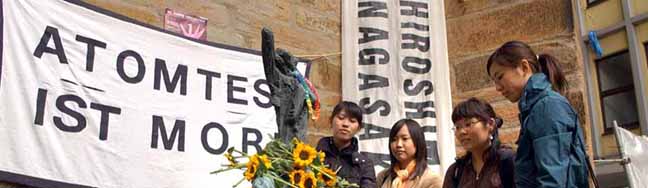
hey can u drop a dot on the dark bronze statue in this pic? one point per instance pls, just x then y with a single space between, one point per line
286 93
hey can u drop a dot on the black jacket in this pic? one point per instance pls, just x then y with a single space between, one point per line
354 167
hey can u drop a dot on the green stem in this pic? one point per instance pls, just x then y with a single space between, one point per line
281 146
240 152
281 180
239 182
318 169
221 170
238 166
280 159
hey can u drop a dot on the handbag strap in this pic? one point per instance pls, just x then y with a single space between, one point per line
587 159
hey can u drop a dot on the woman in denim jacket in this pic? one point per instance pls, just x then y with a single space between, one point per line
550 145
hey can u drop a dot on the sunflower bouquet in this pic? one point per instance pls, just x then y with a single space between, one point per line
282 165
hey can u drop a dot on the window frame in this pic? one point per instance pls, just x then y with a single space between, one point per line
608 129
592 4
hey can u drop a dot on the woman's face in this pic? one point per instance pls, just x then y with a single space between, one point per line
344 126
473 134
510 82
402 147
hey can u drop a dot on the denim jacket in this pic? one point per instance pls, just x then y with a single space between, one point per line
550 145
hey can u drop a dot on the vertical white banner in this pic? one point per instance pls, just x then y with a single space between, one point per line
395 66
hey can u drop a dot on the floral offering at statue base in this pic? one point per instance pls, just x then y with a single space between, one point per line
279 165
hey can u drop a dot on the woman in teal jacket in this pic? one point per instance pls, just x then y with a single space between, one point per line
550 145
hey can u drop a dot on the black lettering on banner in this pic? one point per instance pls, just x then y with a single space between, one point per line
416 65
90 53
159 129
372 34
140 66
422 43
379 104
81 121
418 9
372 81
205 144
51 33
105 113
266 94
231 88
420 110
372 56
380 159
376 9
420 86
372 131
208 81
40 106
416 26
429 128
180 76
433 152
247 142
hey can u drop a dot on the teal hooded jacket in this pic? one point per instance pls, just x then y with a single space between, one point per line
550 145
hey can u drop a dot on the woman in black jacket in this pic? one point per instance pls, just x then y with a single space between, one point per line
486 163
341 149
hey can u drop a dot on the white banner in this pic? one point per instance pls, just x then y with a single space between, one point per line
635 148
395 65
94 99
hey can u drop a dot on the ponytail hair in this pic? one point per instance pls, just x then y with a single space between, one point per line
550 67
511 54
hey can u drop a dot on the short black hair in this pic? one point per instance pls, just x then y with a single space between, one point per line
417 136
482 110
352 109
475 108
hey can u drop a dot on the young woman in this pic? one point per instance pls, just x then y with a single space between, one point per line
486 164
408 154
341 149
550 145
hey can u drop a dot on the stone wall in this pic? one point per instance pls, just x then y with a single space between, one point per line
477 27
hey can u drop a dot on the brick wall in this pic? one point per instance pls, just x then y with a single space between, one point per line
477 27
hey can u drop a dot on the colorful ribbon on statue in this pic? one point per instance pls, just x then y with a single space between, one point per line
311 95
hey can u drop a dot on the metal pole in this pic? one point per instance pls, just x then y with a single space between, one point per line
593 113
622 152
637 62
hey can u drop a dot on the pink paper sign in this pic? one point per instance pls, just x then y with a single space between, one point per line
187 25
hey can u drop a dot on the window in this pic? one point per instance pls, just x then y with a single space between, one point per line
618 100
646 48
591 3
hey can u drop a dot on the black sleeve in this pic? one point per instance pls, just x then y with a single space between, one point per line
506 169
368 179
448 179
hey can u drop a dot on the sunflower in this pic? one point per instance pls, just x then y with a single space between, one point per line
303 155
308 181
231 159
296 176
322 156
265 161
252 166
327 176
